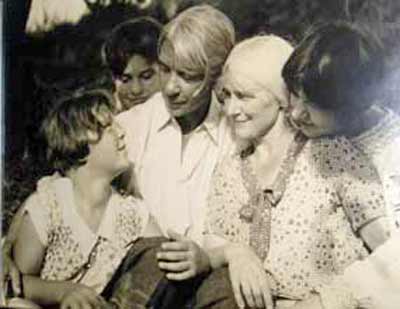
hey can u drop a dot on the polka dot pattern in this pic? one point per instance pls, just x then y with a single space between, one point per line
330 194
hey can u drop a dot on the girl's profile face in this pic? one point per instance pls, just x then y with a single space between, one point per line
311 120
109 153
139 81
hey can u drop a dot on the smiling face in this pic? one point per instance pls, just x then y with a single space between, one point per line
139 81
311 120
251 107
109 153
253 91
185 88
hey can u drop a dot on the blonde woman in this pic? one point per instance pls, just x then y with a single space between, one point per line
174 141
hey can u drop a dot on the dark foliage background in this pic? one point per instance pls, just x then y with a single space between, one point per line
46 65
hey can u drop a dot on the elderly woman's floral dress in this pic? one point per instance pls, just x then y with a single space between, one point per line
305 227
73 251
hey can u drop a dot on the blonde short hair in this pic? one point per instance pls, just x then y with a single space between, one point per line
201 38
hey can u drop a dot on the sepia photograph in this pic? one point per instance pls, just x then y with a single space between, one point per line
208 154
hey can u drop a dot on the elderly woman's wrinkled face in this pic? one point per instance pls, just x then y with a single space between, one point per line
311 120
250 104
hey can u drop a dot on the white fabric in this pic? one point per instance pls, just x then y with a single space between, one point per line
174 178
376 280
73 251
381 144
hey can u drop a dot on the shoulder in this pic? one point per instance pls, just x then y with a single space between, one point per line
384 134
338 156
55 196
229 162
44 207
47 186
126 202
130 207
332 146
227 183
131 217
142 111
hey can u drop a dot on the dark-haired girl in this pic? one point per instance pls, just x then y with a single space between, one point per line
131 54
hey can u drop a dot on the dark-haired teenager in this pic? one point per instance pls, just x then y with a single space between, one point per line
131 52
338 73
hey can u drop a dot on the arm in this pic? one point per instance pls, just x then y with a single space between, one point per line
29 254
375 232
182 259
236 257
10 270
338 295
249 280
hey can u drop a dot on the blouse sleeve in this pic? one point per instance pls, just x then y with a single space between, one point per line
42 207
142 216
132 220
359 187
39 215
226 198
353 288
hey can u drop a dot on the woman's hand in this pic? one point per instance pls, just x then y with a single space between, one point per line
182 258
249 280
82 297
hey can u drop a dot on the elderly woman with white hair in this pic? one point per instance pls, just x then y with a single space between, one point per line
286 212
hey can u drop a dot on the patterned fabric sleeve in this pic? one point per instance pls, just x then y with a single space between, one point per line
391 180
142 215
132 220
359 186
39 206
39 217
226 198
353 289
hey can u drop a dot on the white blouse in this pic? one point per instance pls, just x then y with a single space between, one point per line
73 251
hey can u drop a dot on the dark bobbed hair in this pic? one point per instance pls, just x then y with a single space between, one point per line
74 122
338 67
138 36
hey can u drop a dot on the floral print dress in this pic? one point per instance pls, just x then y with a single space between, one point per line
73 251
381 145
305 227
